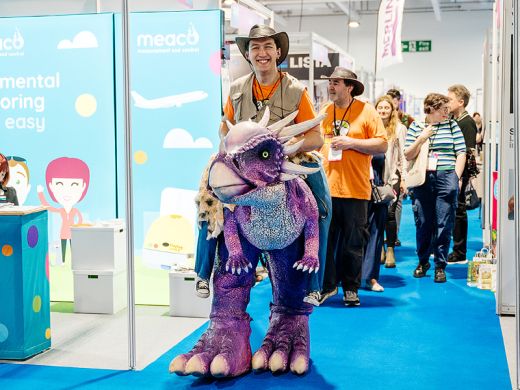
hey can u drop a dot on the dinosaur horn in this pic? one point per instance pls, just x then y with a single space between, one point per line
290 149
301 127
265 119
229 125
289 167
278 126
287 176
283 140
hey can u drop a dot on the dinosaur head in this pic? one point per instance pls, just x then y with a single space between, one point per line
254 157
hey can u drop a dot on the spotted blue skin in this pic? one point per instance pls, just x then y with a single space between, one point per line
278 219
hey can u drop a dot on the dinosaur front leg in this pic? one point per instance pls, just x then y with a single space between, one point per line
286 343
224 349
236 261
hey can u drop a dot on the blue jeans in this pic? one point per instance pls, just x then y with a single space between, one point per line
434 205
205 253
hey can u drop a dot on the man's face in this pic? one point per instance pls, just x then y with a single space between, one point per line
18 180
338 91
67 192
263 53
396 103
454 102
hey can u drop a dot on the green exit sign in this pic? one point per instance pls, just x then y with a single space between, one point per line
416 46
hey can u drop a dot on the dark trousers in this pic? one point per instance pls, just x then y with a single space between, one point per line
391 222
348 236
460 231
434 205
376 224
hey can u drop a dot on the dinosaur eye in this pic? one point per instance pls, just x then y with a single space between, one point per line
264 155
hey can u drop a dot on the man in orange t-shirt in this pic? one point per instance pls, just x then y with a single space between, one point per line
353 133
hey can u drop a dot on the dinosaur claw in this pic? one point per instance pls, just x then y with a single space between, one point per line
250 265
227 267
299 267
239 270
295 265
305 269
310 270
233 270
317 268
246 269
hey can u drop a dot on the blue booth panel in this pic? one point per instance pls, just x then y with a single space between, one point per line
24 285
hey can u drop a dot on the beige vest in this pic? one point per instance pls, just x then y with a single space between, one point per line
287 96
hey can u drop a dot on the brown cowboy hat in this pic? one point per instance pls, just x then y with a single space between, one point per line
263 31
343 73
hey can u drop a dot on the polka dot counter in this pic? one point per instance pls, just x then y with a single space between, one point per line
37 303
32 236
7 250
48 334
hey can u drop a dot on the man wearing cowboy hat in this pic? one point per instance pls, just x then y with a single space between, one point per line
353 133
266 86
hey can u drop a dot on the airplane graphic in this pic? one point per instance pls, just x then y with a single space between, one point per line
169 101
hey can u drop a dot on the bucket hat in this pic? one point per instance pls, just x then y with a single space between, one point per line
343 73
263 31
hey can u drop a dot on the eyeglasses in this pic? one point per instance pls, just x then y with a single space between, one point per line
445 109
16 158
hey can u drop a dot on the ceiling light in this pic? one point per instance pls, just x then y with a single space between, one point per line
228 2
353 24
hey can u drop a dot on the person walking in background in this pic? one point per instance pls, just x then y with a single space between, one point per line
406 120
435 201
459 99
353 133
386 168
396 133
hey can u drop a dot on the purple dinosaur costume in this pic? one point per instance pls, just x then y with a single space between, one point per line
277 216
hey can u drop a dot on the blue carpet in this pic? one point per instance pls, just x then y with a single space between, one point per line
415 335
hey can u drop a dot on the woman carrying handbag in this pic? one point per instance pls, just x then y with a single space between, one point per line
435 201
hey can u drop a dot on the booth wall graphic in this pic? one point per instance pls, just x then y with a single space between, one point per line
57 119
176 113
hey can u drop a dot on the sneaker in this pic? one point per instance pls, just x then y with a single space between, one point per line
453 259
313 298
202 287
376 287
440 275
326 293
420 271
351 298
397 242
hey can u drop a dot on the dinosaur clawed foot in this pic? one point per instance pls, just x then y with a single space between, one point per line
286 345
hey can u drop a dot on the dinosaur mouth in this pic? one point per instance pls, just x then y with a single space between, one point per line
226 184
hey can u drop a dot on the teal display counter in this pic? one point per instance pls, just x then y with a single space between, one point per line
24 283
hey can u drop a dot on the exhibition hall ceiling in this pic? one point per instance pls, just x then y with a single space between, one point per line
356 9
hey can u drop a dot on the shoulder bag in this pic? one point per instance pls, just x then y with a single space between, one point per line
382 194
416 173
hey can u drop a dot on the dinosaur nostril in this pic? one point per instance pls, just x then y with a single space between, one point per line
236 163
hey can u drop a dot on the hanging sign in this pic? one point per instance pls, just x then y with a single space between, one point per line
389 23
188 3
416 46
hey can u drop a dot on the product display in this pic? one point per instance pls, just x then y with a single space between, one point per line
275 214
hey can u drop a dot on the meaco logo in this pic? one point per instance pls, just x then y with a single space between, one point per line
15 43
192 38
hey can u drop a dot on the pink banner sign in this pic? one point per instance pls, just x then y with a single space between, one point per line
243 18
389 23
188 3
320 53
344 63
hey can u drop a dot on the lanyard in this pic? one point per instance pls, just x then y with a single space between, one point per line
433 140
263 102
336 127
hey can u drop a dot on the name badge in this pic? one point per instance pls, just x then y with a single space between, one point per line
334 155
327 138
371 172
433 158
3 198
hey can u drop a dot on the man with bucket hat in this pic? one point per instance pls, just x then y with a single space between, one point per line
353 133
267 87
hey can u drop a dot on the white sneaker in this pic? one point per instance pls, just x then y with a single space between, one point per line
376 287
313 298
201 287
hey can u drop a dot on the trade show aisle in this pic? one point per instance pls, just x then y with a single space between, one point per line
414 335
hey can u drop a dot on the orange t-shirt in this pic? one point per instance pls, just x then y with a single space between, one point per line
306 109
350 177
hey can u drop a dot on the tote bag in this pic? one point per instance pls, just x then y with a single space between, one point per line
417 168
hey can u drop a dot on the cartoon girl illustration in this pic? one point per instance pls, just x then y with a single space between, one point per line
67 182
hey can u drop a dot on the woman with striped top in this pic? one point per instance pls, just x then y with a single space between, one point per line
435 202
